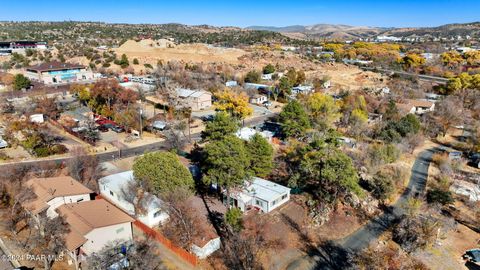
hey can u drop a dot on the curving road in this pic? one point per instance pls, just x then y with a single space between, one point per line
334 255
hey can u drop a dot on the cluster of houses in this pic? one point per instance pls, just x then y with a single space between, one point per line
96 221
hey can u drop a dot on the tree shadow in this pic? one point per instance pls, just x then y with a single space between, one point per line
472 266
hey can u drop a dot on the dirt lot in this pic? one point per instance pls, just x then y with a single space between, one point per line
146 53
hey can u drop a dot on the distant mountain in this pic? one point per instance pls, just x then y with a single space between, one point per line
339 31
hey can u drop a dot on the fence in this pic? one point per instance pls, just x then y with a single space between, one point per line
190 258
182 253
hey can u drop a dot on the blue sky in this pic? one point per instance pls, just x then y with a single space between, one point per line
245 13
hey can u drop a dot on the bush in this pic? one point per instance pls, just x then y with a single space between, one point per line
233 217
442 197
252 77
41 151
58 149
135 61
148 66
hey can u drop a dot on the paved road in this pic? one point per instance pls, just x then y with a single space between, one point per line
334 255
124 153
407 74
4 262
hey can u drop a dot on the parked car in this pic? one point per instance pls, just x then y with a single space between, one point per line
267 104
472 255
103 128
117 129
455 155
3 143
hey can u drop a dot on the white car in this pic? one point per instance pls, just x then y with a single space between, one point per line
3 143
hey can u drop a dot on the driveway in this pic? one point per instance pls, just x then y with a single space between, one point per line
334 255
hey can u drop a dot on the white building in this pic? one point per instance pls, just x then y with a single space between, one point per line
114 188
231 84
302 89
258 99
267 77
94 225
247 133
58 73
260 194
53 192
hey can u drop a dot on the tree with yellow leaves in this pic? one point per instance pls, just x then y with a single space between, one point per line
234 103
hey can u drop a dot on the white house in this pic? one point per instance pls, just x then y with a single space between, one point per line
114 187
53 192
94 225
302 89
267 77
56 72
247 133
260 194
258 99
37 118
204 249
421 106
231 84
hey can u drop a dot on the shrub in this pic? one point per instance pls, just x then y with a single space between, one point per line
442 197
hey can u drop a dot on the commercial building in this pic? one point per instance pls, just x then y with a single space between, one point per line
59 73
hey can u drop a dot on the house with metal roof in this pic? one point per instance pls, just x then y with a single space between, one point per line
195 99
116 188
261 194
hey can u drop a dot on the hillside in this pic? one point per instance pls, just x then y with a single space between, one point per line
333 31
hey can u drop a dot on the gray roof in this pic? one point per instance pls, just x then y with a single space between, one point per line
265 190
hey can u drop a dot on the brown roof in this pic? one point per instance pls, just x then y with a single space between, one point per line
48 188
54 65
83 217
420 103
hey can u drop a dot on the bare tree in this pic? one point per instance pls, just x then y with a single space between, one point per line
84 168
142 255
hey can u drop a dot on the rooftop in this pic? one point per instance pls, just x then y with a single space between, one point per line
265 189
184 93
85 216
53 66
48 188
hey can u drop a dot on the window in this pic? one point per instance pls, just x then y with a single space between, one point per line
120 230
79 200
111 193
284 196
158 213
259 203
274 202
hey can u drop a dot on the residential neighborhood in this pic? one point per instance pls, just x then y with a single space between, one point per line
176 136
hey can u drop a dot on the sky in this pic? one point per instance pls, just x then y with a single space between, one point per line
406 13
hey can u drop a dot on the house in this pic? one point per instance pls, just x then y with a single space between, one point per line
422 106
231 84
258 99
206 241
114 188
3 143
267 77
260 194
37 118
53 192
195 99
302 89
57 73
247 133
139 86
94 225
405 108
257 86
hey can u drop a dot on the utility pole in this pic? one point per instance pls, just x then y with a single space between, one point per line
141 121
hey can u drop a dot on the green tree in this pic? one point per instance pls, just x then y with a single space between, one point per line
162 171
226 163
222 125
268 69
294 119
20 82
328 172
124 61
300 78
252 76
292 76
233 217
261 156
285 86
135 61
